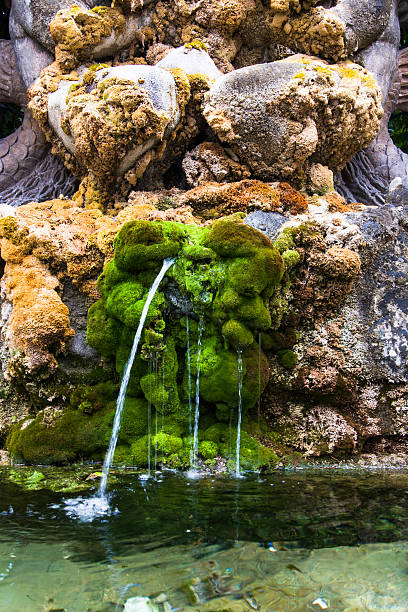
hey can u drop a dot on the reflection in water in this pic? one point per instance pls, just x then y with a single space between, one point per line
212 544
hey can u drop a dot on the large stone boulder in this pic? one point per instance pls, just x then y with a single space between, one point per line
281 116
113 116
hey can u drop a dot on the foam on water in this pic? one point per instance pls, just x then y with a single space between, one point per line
87 509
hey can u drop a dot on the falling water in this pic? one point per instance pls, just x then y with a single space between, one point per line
197 394
149 418
259 392
155 444
190 405
125 380
162 411
156 380
240 377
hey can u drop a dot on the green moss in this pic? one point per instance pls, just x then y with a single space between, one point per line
252 275
90 399
208 449
123 456
103 332
71 436
284 241
228 272
143 244
122 297
139 368
110 277
134 420
237 334
170 444
255 313
139 452
287 358
291 258
230 237
198 252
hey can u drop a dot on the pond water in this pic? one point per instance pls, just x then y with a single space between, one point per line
295 540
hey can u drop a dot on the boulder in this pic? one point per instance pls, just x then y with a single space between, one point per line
282 116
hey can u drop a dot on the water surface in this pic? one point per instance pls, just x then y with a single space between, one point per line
299 540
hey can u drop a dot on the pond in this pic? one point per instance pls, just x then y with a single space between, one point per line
307 539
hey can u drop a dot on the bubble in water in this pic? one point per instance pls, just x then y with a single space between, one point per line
87 509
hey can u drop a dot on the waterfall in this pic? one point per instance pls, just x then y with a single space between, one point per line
125 379
190 406
259 393
197 393
240 377
149 417
163 406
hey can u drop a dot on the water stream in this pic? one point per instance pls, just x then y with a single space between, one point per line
197 393
167 263
190 405
240 377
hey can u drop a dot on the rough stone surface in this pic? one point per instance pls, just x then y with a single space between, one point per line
276 117
192 61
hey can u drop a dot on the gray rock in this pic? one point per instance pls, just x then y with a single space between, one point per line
266 222
158 83
192 61
381 293
238 110
31 56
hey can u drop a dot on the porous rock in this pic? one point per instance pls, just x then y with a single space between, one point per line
281 116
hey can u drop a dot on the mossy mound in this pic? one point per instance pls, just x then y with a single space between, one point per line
141 244
226 274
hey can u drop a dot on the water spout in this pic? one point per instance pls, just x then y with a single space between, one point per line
125 380
197 394
190 406
240 378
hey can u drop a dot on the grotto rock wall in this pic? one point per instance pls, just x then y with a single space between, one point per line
210 133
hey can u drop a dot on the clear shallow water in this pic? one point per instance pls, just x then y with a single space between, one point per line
335 538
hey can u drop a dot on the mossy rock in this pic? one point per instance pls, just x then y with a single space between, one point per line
90 399
72 436
230 237
110 277
250 276
208 449
103 331
287 358
239 336
143 244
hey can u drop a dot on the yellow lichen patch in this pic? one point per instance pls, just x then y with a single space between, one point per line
110 121
318 31
91 194
182 86
77 31
333 95
196 44
286 6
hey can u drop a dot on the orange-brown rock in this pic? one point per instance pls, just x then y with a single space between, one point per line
212 200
